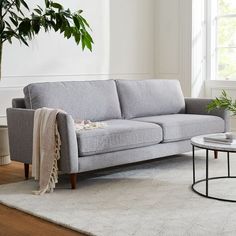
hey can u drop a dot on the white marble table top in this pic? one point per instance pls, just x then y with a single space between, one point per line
199 142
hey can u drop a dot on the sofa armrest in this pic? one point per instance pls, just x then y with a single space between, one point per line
199 106
20 129
69 161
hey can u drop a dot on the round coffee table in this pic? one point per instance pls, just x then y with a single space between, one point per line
199 142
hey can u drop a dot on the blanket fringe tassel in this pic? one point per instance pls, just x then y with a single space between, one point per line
54 172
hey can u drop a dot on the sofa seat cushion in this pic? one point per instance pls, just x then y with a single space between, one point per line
118 135
178 127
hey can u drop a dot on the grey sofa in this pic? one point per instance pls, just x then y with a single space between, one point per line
146 119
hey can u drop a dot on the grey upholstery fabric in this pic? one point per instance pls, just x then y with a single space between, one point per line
18 103
20 129
133 155
20 125
184 126
199 106
93 100
123 141
118 135
68 162
150 97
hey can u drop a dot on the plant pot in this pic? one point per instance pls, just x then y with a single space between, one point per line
4 146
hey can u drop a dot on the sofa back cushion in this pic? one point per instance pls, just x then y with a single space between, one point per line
93 100
141 98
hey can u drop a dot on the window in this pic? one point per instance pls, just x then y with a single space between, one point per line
225 48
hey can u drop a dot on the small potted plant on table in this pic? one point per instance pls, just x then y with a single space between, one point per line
224 102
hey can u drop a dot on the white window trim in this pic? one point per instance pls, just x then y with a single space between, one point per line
212 47
211 62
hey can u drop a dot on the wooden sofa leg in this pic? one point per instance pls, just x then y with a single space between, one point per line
26 168
73 180
215 154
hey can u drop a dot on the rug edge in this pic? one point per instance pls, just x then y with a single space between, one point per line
46 219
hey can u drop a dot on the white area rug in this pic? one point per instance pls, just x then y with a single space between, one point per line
148 199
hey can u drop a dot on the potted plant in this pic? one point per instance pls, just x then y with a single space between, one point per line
224 102
4 146
17 21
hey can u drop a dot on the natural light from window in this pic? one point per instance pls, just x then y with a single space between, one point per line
226 40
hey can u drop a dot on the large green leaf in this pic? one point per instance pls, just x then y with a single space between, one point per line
47 3
38 11
76 21
36 25
2 26
56 5
17 3
15 22
24 4
53 17
25 27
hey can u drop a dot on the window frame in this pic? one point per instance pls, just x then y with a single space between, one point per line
212 44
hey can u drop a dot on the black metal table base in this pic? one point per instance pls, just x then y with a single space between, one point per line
211 197
207 179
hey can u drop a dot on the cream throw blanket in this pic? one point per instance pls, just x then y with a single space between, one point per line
46 146
46 149
87 125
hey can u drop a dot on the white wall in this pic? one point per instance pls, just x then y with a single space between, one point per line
51 58
132 38
123 34
173 41
51 55
198 48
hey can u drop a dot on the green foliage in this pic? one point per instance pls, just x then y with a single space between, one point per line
224 102
14 23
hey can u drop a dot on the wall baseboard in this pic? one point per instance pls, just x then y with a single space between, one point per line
3 120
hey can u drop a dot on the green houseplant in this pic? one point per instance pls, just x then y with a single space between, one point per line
224 102
17 21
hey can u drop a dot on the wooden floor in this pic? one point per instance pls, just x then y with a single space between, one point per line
17 223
